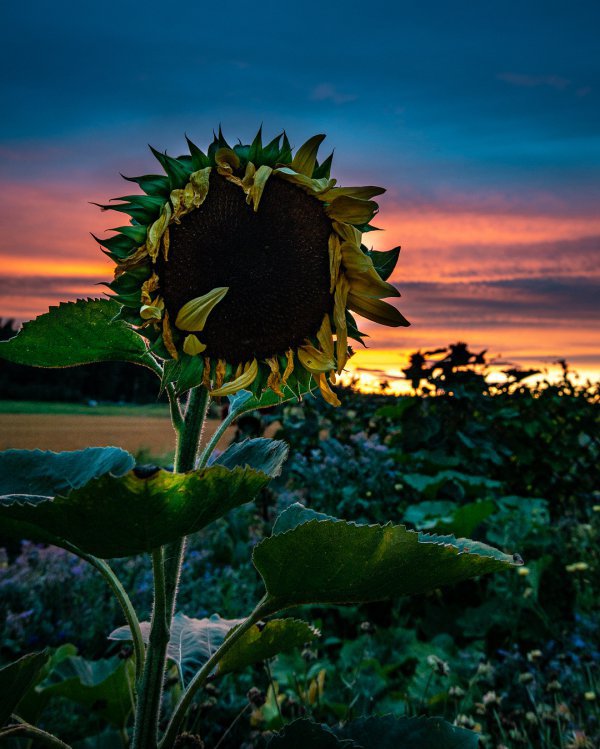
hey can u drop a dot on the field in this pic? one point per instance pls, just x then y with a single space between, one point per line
70 426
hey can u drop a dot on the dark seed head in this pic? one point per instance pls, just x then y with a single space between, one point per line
275 262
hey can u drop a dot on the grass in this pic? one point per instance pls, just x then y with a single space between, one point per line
81 409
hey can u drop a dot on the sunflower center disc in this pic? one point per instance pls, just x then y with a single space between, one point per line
275 262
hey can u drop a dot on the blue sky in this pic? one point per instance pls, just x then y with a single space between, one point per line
464 110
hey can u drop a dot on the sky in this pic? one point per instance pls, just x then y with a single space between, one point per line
482 120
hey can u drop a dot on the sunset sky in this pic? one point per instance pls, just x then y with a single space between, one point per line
481 118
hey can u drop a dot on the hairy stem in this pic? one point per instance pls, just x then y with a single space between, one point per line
214 440
27 731
145 733
124 601
202 675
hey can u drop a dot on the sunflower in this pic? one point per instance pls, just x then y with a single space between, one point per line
245 263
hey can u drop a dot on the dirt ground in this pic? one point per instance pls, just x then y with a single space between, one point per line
68 432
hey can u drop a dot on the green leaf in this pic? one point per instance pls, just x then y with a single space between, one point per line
104 687
389 732
36 699
324 169
448 517
304 733
115 516
261 454
76 333
334 561
192 641
265 641
185 372
43 474
430 485
306 156
16 680
384 262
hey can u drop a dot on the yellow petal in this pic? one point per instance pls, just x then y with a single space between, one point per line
335 260
255 191
227 160
152 311
220 370
192 345
167 335
348 233
199 181
289 367
313 360
364 193
138 257
352 210
156 231
248 179
306 156
206 373
376 310
166 241
240 383
326 391
149 286
325 337
362 274
339 319
309 185
193 314
274 379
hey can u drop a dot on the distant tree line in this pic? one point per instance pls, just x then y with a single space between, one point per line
109 381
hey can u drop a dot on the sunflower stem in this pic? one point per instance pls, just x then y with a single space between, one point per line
202 676
145 732
214 440
166 563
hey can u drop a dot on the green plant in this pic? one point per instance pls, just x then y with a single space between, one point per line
184 317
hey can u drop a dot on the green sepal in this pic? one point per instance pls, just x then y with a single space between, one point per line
185 372
218 142
364 228
256 148
152 184
199 159
334 561
271 153
285 157
132 513
120 245
323 170
135 232
384 262
143 208
74 333
243 153
15 681
177 172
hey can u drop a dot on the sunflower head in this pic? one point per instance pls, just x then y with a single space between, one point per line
243 266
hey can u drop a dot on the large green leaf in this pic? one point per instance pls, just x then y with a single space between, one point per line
74 333
43 473
36 698
389 732
105 687
261 454
448 517
192 641
265 641
334 561
16 680
113 516
304 733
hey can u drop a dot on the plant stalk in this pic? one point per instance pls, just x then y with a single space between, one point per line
27 731
201 677
145 732
166 564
